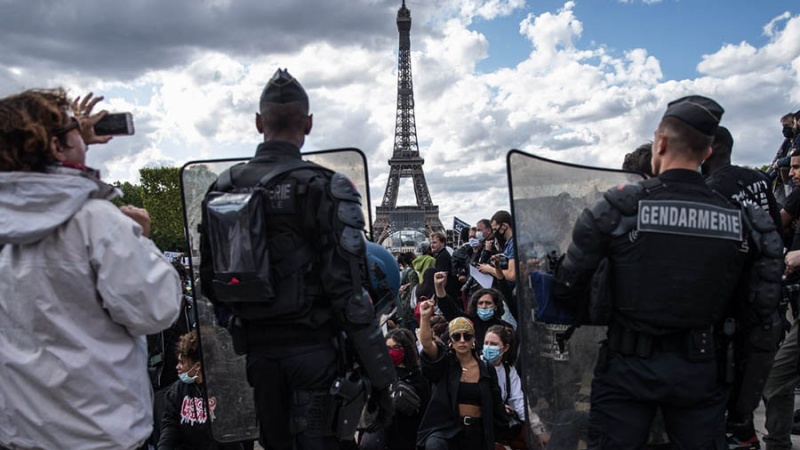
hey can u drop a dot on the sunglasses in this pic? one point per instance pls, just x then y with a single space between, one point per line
72 123
457 336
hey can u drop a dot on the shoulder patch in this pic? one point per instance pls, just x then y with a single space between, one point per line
689 219
625 197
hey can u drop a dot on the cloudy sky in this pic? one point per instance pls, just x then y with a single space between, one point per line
583 81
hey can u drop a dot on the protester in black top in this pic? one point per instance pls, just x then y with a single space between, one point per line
444 262
186 422
791 208
466 410
401 434
740 184
782 156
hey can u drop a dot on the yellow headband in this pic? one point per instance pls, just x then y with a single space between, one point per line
460 325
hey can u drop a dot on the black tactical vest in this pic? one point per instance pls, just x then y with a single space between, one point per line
676 263
293 246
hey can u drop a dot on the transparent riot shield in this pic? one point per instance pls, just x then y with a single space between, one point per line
229 397
556 368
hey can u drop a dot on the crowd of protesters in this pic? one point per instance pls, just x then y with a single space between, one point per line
99 286
461 305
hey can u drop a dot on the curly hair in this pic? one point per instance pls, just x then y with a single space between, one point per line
497 297
28 121
506 336
406 339
406 258
187 346
639 159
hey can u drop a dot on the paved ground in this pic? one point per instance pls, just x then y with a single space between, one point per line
759 420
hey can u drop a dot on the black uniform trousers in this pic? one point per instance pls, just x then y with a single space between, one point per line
276 380
627 394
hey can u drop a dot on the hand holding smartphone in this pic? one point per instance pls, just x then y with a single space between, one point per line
115 124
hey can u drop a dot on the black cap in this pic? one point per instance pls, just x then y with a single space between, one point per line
701 113
723 137
283 88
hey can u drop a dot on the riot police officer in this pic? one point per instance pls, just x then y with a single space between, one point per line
683 262
316 246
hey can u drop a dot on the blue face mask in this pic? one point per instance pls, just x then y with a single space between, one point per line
491 353
485 313
186 378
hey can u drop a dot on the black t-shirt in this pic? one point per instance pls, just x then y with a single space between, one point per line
792 205
744 185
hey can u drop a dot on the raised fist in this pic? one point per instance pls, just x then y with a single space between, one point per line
426 309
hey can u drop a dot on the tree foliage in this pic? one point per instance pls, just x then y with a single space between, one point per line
159 193
161 196
131 195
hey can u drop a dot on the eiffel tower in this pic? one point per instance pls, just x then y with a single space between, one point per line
405 162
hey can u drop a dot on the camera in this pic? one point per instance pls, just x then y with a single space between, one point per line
502 261
461 257
115 124
791 295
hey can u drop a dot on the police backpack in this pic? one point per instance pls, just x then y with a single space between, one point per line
234 222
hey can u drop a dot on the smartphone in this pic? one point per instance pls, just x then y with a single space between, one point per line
115 124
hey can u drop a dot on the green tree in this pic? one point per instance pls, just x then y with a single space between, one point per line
132 194
161 197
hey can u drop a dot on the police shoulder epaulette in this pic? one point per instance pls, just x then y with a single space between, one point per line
225 179
344 189
625 197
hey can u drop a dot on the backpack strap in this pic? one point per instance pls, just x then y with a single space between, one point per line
652 184
281 169
225 179
508 381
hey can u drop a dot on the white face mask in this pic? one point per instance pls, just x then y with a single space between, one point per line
479 235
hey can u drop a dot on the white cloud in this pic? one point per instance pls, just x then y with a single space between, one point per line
742 58
769 29
492 9
553 33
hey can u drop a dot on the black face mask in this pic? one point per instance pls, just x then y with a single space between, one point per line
499 238
788 132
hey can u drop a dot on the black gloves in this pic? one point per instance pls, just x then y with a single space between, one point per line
381 408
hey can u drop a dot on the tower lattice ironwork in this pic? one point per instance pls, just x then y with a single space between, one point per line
405 161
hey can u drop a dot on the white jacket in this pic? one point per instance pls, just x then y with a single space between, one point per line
81 287
516 400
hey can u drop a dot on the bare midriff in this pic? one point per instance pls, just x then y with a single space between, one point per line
469 410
